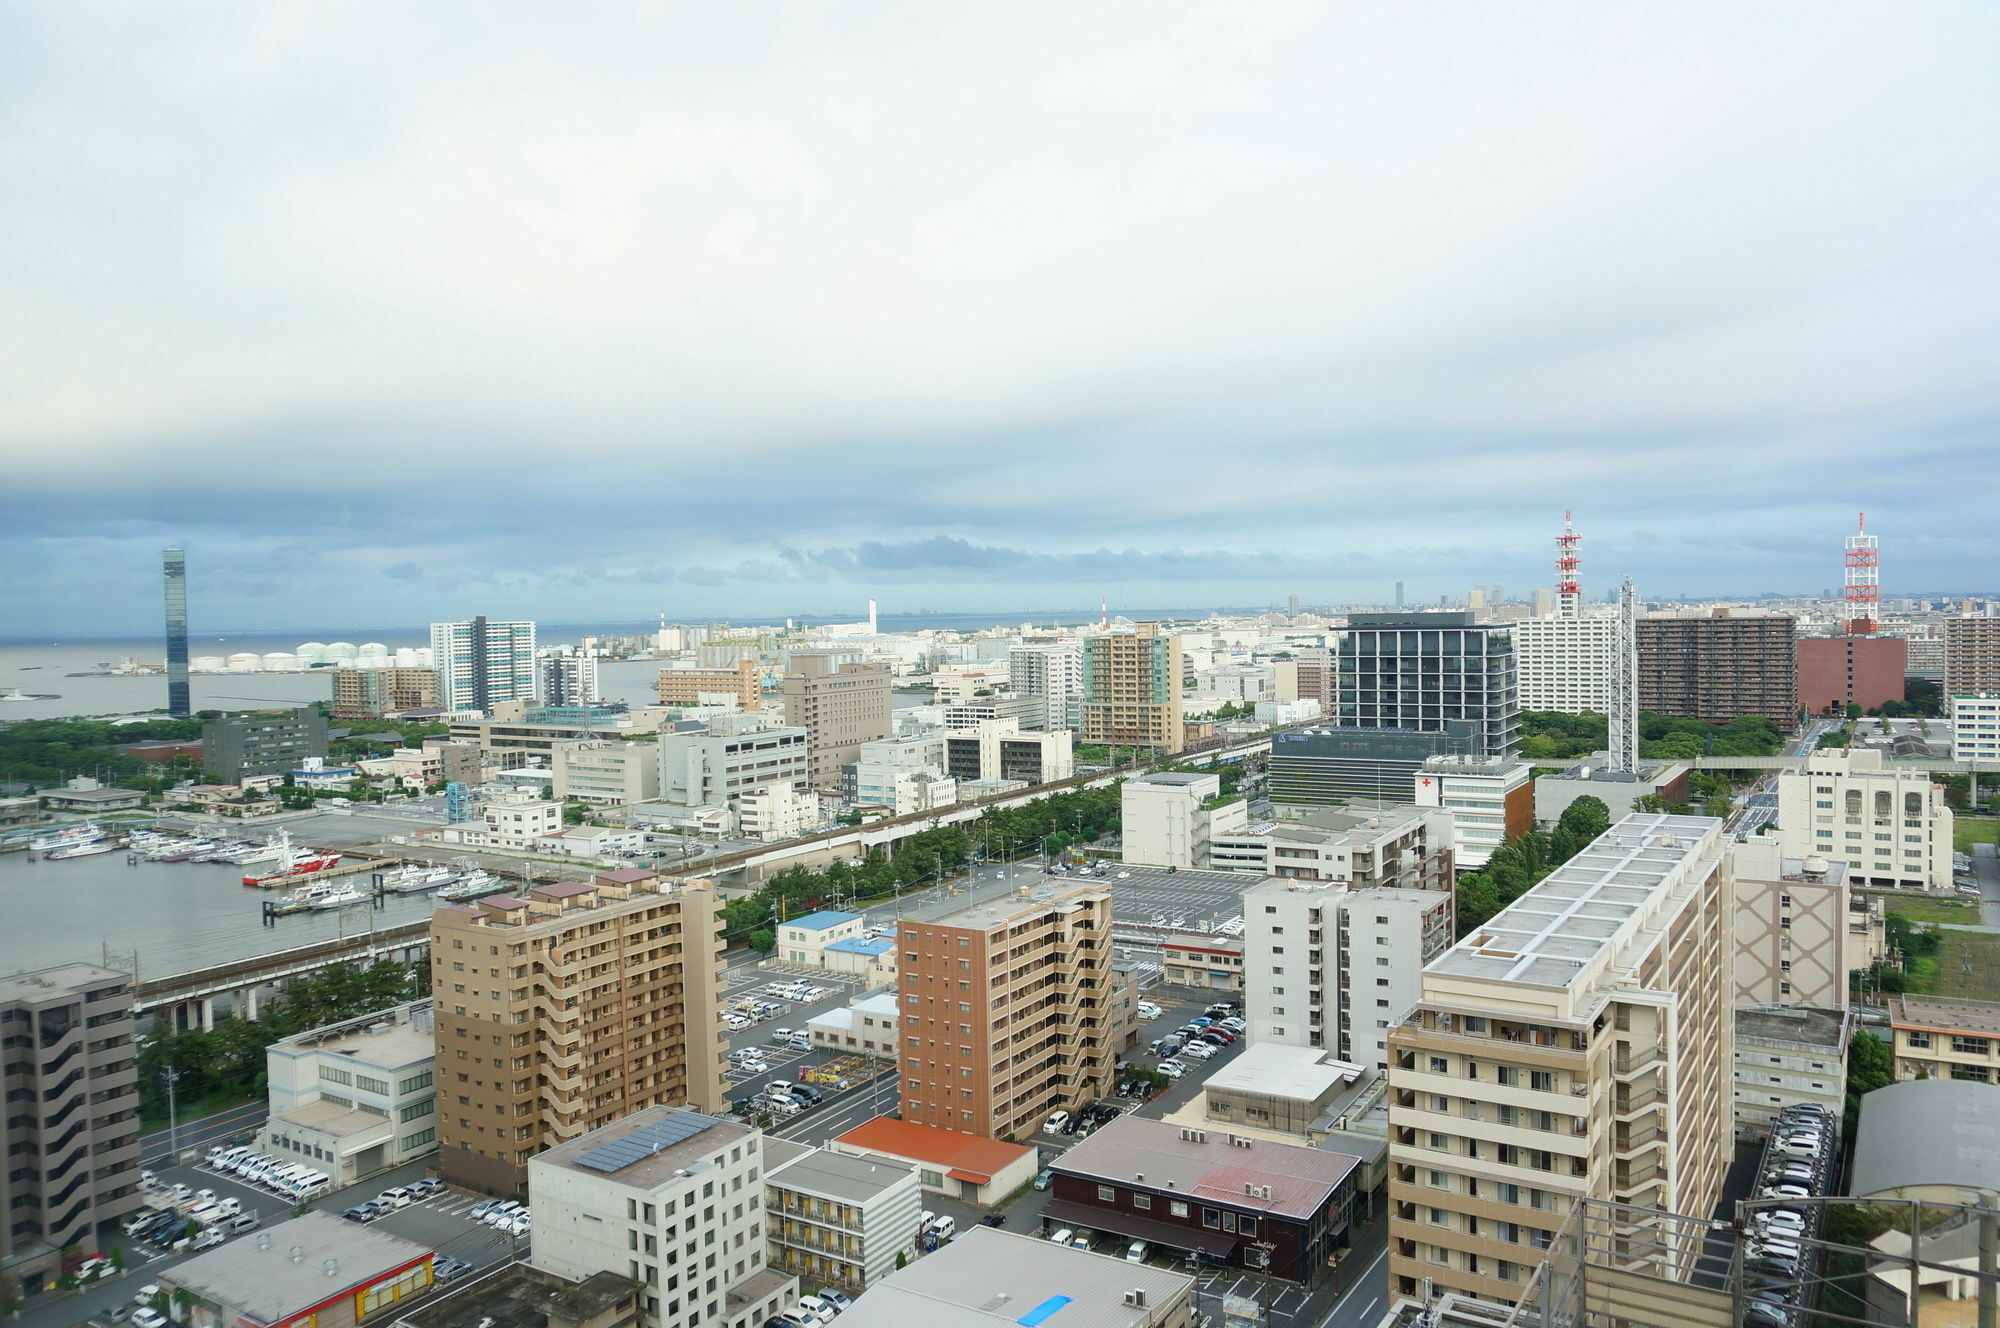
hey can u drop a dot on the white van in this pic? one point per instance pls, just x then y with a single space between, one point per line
942 1228
1061 1237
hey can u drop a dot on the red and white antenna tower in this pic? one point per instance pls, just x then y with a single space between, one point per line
1863 585
1104 613
1569 595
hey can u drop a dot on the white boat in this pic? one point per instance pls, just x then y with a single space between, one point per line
267 851
414 876
68 835
472 885
346 894
83 849
298 901
219 853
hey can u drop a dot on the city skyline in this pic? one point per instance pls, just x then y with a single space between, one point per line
757 312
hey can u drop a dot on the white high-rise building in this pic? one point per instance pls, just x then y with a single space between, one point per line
1299 936
480 663
566 676
1891 827
1564 663
1052 671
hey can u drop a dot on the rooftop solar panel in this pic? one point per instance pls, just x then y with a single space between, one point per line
645 1141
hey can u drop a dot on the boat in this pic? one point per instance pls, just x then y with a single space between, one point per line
346 894
291 864
267 851
298 901
68 835
185 850
17 695
220 853
475 884
83 849
414 876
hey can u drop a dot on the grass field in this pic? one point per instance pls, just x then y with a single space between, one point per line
1951 912
1968 964
1969 830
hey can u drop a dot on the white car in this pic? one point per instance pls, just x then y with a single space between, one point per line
148 1318
1201 1051
1173 1069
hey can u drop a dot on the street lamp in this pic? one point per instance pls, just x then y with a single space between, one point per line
172 1076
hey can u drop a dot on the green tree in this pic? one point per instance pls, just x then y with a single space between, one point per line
763 940
1718 804
1586 818
1869 1067
1649 802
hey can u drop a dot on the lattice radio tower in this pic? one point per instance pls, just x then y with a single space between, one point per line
1569 593
1862 589
1624 727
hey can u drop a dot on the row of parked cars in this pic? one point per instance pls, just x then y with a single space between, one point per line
1796 1165
811 1311
389 1200
1199 1038
294 1181
783 1098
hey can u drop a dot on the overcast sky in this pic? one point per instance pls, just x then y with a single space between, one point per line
394 312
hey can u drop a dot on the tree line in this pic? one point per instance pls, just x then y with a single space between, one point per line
228 1060
1000 834
1555 735
1525 859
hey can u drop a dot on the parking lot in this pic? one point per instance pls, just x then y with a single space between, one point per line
1153 896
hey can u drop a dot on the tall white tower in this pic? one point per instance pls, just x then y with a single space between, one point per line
1624 688
872 629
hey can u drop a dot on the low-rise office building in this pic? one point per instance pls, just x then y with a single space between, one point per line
1210 963
801 939
314 1271
672 1199
997 749
741 686
262 742
607 773
1789 1057
1937 1037
986 1278
776 811
949 1163
1236 1200
1169 819
1618 790
357 1097
1891 827
738 753
867 1027
835 1219
1491 799
520 1295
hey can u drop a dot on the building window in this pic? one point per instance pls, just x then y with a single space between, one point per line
417 1140
332 1076
1211 1217
1177 1208
1107 1194
417 1109
421 1079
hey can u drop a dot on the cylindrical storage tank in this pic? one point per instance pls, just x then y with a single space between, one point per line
245 662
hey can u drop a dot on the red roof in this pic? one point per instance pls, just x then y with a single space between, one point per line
979 1159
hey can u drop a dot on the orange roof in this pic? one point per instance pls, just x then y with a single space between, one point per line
947 1150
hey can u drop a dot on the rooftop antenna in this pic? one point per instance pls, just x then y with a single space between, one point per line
1569 594
1862 590
1623 730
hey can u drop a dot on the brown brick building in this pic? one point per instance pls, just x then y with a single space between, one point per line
567 1009
1007 1010
373 693
685 687
1838 671
1719 668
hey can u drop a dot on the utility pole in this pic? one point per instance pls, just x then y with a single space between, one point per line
172 1076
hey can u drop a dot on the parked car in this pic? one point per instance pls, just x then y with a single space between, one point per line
1201 1051
1136 1252
840 1302
146 1294
425 1187
243 1222
148 1318
1061 1236
1043 1179
942 1227
1056 1124
362 1213
1172 1069
482 1208
818 1305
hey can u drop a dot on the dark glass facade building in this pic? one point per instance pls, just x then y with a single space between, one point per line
1421 671
174 564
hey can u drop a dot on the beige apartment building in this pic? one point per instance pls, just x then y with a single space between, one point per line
1007 1010
839 706
567 1009
683 688
1940 1038
1577 1045
1796 939
373 693
1971 655
1132 689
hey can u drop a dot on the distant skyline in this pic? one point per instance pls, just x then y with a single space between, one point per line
389 316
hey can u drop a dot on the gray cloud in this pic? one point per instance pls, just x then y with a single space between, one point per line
754 310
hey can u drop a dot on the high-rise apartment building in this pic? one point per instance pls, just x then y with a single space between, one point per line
1007 1009
1053 672
1334 967
1318 676
1421 671
1578 1045
1836 672
682 688
373 693
1971 655
71 1128
840 706
481 663
1796 937
1564 663
1891 827
567 1009
566 676
1975 727
1719 669
1132 689
673 1200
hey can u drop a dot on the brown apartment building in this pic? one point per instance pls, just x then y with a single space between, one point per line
840 706
71 1128
1971 656
373 693
681 688
569 1008
1719 668
1006 1009
1132 689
